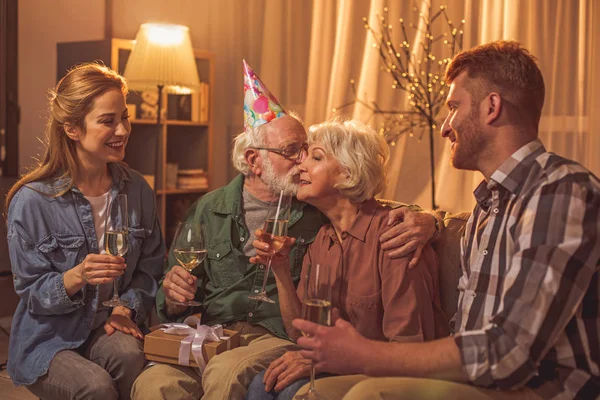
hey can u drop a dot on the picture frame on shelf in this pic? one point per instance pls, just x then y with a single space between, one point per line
179 107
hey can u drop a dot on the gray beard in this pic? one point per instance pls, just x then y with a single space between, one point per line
276 183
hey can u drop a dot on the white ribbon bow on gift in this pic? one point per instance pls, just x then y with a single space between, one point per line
194 340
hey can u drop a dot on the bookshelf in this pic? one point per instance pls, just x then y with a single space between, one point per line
184 137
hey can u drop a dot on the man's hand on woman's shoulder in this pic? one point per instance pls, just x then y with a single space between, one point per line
410 231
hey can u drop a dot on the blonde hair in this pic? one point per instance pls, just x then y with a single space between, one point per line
362 153
254 137
69 103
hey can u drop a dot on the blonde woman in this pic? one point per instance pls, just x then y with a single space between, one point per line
63 343
342 170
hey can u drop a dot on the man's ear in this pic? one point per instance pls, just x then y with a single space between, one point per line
72 132
253 160
493 107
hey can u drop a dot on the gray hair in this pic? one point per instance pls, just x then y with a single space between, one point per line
254 137
361 152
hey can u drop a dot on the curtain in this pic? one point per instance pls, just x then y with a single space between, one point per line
559 33
308 52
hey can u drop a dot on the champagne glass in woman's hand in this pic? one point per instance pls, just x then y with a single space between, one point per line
274 233
189 248
116 238
316 307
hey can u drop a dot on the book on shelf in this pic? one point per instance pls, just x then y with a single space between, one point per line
200 103
193 187
196 106
171 175
192 179
192 183
191 172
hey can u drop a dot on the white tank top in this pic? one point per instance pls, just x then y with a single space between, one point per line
99 205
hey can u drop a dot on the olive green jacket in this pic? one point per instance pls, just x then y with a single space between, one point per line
227 278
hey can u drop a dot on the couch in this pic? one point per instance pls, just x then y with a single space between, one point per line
447 248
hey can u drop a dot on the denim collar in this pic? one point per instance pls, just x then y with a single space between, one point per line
119 176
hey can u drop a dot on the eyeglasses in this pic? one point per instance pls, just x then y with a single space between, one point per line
291 153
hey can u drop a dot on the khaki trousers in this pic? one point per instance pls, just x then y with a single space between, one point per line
361 387
227 375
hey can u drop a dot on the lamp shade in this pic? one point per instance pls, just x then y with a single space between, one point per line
162 55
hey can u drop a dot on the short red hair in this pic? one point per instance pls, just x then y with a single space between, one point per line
507 68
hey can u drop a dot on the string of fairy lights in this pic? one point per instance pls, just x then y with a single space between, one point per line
418 72
418 69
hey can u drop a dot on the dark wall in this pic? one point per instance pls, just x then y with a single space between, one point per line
5 184
8 298
9 101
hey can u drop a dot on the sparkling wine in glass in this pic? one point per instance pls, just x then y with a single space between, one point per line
274 233
189 249
316 307
116 238
317 311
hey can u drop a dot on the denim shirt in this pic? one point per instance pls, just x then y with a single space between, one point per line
48 236
227 277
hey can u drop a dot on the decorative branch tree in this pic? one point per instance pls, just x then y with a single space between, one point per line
418 72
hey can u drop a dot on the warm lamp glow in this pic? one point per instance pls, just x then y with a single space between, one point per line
166 35
162 56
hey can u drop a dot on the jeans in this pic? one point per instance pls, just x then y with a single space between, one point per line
256 390
104 368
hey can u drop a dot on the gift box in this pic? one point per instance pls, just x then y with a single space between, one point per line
165 347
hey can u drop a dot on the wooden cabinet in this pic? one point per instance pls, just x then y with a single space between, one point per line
183 138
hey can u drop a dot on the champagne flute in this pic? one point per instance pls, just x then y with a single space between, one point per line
316 307
274 233
189 248
116 238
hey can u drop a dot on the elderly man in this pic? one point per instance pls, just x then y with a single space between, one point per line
267 156
529 307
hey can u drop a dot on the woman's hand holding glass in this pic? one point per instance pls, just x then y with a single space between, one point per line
97 269
265 251
275 231
116 238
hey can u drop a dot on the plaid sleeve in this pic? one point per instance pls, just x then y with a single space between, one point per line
557 251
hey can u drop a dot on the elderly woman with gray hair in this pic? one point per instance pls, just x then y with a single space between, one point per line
341 172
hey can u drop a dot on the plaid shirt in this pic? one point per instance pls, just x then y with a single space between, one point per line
529 305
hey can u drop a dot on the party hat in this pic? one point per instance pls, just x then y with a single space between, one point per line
260 106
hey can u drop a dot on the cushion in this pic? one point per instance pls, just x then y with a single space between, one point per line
447 247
